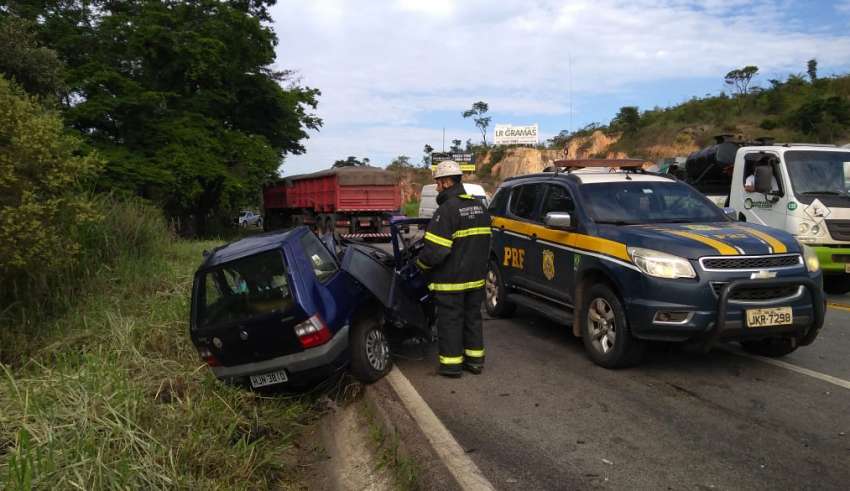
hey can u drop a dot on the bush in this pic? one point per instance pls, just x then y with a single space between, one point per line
41 206
769 124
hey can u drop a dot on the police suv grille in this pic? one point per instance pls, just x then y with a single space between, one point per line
757 293
751 262
839 229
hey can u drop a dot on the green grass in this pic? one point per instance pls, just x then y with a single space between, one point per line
110 393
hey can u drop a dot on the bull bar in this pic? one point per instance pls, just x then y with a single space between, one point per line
815 293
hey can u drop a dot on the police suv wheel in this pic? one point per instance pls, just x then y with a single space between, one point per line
370 350
771 347
605 330
495 294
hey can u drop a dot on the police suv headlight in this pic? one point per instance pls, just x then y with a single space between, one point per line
810 257
661 264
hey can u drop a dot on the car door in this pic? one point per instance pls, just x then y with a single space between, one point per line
518 252
757 207
330 292
552 271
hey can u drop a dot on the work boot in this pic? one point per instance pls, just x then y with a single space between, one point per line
453 371
472 367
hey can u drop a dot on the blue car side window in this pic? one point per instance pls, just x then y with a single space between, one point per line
323 263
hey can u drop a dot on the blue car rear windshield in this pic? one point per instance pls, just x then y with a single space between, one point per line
630 203
239 290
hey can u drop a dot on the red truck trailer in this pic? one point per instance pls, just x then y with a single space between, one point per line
352 201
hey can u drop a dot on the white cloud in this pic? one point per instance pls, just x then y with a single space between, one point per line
389 64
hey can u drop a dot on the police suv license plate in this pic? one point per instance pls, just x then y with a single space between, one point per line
779 316
270 378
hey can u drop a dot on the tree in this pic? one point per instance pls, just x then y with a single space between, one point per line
351 161
399 163
627 120
558 141
456 146
179 97
740 78
426 158
825 118
477 112
812 69
25 61
42 206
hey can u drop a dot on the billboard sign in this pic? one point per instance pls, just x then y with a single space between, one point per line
465 159
507 134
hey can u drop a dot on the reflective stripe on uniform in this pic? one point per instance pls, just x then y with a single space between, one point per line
465 196
455 287
471 231
422 265
474 353
451 360
438 240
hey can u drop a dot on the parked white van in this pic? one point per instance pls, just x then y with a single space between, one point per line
428 198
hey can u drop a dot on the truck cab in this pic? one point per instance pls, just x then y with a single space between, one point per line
803 189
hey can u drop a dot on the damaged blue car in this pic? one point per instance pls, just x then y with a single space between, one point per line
290 309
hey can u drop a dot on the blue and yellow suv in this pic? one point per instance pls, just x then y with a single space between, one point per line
628 257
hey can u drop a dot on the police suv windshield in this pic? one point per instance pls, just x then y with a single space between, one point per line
632 203
817 172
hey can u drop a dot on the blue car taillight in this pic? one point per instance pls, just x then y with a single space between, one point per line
312 332
208 357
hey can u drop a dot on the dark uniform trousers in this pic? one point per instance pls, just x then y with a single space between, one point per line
459 327
455 259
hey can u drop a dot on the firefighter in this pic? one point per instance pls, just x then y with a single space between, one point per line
455 259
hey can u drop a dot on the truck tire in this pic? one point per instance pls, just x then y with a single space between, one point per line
605 329
771 347
370 349
495 294
836 284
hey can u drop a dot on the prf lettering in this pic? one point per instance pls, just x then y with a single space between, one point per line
514 257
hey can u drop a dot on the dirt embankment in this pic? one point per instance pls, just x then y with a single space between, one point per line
519 161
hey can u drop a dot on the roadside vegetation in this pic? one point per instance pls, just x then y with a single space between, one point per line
117 143
804 107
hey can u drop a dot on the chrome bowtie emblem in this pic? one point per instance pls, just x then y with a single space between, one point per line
763 275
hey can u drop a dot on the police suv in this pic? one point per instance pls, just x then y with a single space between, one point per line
628 257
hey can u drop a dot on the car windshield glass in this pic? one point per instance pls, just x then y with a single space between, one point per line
816 172
240 289
627 203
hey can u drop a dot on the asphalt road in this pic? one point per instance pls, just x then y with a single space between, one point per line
543 416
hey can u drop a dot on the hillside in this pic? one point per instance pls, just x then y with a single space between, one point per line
798 109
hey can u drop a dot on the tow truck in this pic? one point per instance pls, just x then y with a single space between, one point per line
627 257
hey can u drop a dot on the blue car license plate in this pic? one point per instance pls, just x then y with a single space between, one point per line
270 378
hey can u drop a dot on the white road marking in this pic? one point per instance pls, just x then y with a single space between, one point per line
460 465
794 368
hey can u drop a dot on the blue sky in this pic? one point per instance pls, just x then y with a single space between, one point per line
395 73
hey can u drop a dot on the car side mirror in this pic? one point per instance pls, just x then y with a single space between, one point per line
732 213
763 179
558 220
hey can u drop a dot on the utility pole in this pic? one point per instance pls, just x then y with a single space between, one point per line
570 64
444 139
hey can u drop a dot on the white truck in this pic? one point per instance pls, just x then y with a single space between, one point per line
803 189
